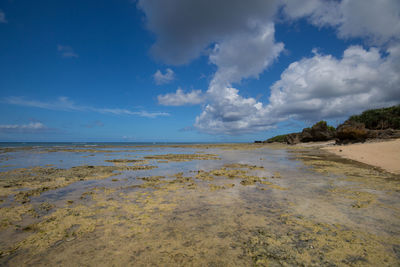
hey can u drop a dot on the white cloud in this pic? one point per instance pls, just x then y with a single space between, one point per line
326 87
65 104
180 98
233 114
244 55
320 87
239 40
62 103
67 51
3 17
242 44
161 78
378 21
31 127
228 112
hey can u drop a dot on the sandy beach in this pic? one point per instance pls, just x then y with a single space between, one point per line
384 154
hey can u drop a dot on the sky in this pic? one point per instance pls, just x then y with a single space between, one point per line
192 71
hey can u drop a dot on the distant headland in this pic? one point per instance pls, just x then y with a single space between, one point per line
383 123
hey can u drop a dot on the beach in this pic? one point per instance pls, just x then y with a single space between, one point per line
194 204
382 154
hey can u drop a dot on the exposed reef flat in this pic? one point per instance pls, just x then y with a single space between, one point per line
183 157
25 182
232 205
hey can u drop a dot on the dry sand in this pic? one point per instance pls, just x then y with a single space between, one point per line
385 155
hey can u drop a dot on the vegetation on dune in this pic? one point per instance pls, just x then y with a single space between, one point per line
380 123
320 131
379 119
279 138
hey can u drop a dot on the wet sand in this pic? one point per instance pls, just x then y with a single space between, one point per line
196 205
384 154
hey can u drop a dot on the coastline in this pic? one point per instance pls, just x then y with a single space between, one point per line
236 204
382 154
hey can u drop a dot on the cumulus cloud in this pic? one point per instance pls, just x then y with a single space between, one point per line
185 28
320 87
241 44
165 78
239 40
244 55
234 114
228 112
180 98
65 104
3 17
325 87
378 21
21 128
67 51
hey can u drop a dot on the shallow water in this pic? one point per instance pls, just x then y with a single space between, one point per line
297 207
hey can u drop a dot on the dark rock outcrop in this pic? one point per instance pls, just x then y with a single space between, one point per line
318 132
351 132
384 134
293 138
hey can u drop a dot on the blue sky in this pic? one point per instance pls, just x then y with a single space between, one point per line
191 70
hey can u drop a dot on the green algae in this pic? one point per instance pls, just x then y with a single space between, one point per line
362 182
37 180
246 166
361 199
237 172
214 187
123 160
277 175
302 242
183 157
14 214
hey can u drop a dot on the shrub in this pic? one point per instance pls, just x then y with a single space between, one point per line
279 138
321 125
379 119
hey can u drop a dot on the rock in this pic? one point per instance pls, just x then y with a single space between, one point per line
306 135
293 138
318 132
383 134
351 132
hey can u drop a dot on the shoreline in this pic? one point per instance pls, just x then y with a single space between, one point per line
381 153
195 204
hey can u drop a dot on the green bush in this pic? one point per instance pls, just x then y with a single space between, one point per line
279 138
331 128
321 125
379 119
